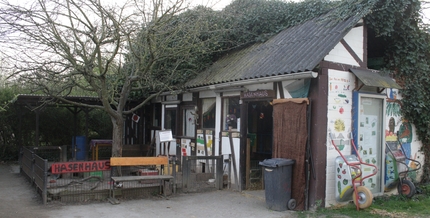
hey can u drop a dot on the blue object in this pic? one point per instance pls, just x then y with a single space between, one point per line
79 147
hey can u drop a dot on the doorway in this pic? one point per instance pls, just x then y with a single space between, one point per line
259 140
369 119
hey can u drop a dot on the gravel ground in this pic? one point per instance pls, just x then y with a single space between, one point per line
19 199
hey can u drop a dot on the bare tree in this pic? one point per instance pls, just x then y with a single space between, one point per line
106 50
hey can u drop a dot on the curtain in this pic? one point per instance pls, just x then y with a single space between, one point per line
289 141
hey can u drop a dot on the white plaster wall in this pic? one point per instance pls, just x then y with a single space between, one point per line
339 54
230 94
355 39
187 96
207 94
256 87
339 117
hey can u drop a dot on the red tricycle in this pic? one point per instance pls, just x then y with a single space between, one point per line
397 169
349 178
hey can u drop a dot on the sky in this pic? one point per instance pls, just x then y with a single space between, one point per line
215 4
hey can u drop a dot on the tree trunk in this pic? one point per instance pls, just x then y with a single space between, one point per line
117 135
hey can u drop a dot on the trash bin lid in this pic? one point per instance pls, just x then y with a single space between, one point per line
277 162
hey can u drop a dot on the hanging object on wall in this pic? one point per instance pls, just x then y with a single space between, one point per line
135 118
299 88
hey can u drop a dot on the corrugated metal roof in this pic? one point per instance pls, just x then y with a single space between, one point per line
296 49
39 99
375 79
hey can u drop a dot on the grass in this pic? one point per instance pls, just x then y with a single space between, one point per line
393 206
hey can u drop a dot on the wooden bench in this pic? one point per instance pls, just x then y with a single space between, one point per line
165 180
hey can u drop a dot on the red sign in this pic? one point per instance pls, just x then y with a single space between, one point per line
80 167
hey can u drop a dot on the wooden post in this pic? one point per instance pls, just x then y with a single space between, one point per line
207 168
248 163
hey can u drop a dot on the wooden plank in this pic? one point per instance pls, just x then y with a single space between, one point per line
295 100
137 178
136 161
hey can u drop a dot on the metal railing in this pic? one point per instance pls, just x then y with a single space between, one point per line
200 173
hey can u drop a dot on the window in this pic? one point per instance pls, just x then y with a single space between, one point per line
156 119
208 113
170 119
231 113
189 122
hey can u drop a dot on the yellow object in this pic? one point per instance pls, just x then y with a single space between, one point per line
168 169
344 190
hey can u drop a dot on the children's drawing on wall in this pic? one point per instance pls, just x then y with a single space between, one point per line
340 135
185 147
393 110
398 135
340 92
339 125
339 107
201 149
394 116
405 137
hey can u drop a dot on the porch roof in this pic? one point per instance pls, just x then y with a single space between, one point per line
38 100
375 79
294 50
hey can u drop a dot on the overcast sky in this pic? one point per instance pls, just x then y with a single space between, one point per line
215 4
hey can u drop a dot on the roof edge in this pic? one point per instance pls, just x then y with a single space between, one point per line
292 76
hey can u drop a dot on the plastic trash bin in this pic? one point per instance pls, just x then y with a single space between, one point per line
277 183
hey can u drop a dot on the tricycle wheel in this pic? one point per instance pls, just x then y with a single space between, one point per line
406 188
291 204
365 197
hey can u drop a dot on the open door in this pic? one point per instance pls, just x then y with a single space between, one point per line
259 140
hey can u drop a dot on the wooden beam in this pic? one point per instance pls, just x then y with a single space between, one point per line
137 161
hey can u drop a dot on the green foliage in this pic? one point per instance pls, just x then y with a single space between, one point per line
398 22
8 149
56 128
256 20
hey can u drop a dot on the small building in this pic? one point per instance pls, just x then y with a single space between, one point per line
285 98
